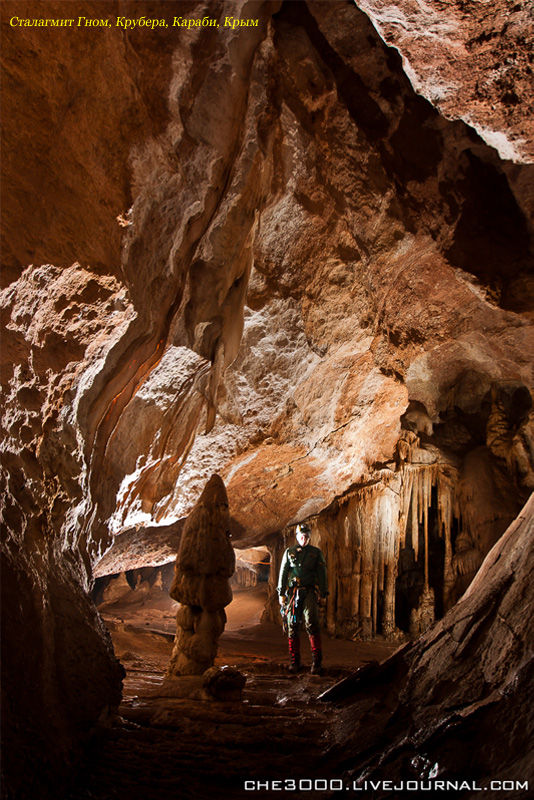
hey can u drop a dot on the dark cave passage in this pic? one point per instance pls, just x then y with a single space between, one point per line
410 583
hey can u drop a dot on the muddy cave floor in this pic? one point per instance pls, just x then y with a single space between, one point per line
185 746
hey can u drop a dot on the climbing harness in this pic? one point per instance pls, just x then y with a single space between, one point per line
294 604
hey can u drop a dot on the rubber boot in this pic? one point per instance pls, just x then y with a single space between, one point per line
294 652
317 653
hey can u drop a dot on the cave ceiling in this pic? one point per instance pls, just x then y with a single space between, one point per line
274 253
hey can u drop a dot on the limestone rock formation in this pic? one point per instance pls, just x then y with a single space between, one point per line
224 683
467 679
252 565
204 565
470 64
117 587
256 251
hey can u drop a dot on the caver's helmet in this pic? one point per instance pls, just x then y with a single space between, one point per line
303 528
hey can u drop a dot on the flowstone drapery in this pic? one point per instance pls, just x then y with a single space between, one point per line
204 565
385 572
403 548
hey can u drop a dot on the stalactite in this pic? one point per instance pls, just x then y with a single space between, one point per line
426 545
356 580
381 565
388 624
415 517
362 539
404 513
375 601
332 583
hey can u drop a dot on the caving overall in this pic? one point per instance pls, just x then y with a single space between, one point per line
302 579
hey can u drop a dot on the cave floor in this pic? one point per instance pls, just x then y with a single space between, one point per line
170 742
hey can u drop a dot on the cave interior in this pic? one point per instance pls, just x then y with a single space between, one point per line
291 253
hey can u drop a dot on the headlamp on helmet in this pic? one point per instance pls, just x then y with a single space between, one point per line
303 528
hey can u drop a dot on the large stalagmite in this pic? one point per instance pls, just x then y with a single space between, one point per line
204 565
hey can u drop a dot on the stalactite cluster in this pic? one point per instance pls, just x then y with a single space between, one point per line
400 549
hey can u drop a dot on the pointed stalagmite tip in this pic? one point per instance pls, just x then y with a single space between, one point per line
214 493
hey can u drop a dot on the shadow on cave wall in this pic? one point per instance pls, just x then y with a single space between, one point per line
491 238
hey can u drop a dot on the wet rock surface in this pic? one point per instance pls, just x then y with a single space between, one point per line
173 738
465 680
377 714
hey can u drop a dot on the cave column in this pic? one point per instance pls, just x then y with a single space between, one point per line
388 618
366 603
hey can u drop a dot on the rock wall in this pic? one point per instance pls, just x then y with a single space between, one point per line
400 275
422 524
467 679
77 103
257 252
470 64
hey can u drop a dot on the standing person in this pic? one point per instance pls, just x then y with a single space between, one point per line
302 587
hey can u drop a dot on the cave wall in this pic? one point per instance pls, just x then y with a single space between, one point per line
365 279
258 252
455 704
73 107
425 523
471 65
